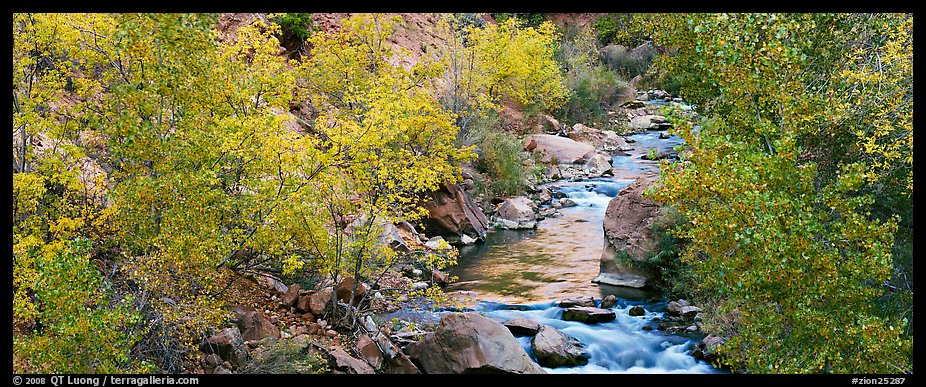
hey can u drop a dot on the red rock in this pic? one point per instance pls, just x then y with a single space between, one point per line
470 342
627 232
289 298
253 325
452 212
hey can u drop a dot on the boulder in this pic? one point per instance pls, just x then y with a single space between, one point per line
549 212
229 345
304 304
609 301
657 156
451 212
576 301
470 343
345 288
706 349
272 283
552 172
418 286
319 301
346 363
440 278
659 94
598 166
588 315
408 234
522 326
289 298
613 142
516 213
467 240
605 140
628 236
517 209
649 122
637 311
392 237
635 104
554 349
381 354
690 311
559 150
213 360
369 351
551 124
253 325
567 202
681 307
437 243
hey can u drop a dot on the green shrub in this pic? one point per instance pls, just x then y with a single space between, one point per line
526 19
500 160
621 28
593 91
297 25
593 87
285 357
78 328
628 62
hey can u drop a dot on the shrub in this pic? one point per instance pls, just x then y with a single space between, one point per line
525 19
297 25
500 160
621 28
628 62
285 357
78 328
592 86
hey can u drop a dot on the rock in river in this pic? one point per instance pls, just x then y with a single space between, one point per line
471 343
522 326
554 349
577 301
588 315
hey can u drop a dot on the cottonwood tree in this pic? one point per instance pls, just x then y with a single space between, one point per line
200 157
808 121
387 138
488 64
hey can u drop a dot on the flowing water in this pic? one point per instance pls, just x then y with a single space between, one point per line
558 259
523 273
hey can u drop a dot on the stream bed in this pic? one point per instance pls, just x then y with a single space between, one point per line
523 273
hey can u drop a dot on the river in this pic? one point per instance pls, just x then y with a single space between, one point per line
523 273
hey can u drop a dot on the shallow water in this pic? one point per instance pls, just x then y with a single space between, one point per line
560 257
618 346
522 273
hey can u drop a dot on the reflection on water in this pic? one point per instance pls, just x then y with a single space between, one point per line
523 273
561 257
558 259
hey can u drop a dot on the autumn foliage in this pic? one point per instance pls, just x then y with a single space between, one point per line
788 185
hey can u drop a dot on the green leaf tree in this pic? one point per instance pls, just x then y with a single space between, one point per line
781 181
